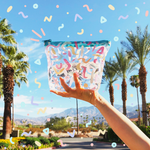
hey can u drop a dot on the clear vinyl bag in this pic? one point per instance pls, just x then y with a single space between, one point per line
85 58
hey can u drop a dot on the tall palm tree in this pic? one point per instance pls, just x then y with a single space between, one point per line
81 118
6 35
135 82
110 76
123 66
13 69
77 116
138 49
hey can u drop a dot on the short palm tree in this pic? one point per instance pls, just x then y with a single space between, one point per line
123 66
13 69
139 49
135 82
110 76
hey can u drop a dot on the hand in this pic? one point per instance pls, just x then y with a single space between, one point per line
78 93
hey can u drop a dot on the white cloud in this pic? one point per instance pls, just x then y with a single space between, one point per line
34 50
44 75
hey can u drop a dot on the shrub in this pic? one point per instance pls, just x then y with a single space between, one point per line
112 135
20 132
29 125
44 140
3 144
145 130
94 129
31 141
54 139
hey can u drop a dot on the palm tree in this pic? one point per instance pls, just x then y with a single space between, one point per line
6 35
81 118
135 82
77 116
110 76
123 66
13 69
87 117
138 49
99 119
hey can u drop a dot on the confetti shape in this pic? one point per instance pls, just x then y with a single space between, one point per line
117 86
9 9
38 62
46 131
77 15
111 7
103 19
72 135
43 111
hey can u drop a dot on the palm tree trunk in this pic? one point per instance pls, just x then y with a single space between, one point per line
111 93
77 117
124 95
7 120
143 90
8 86
138 107
144 111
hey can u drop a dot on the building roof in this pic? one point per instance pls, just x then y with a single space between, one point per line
134 119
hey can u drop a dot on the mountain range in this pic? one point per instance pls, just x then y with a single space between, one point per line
91 111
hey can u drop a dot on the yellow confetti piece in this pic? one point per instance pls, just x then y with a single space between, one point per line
9 9
131 95
53 51
78 66
111 7
59 71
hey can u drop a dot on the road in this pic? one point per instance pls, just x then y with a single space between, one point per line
85 144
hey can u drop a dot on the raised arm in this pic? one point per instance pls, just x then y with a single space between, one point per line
128 132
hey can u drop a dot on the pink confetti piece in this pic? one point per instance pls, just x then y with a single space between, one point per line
58 66
55 81
67 64
61 142
101 49
93 48
74 59
92 144
89 43
84 71
69 53
95 60
76 45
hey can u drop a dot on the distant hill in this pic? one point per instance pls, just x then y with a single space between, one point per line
90 111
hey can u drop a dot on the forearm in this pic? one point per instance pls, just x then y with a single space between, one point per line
128 132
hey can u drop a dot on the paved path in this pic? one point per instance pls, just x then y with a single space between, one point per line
85 144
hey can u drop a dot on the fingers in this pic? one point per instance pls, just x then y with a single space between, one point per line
65 86
63 94
77 83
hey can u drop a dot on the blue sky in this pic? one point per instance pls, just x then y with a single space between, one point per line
91 25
